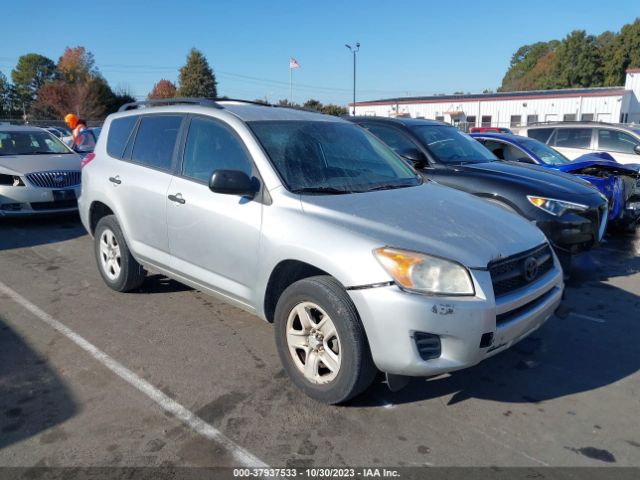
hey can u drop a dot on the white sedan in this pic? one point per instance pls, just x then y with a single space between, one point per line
38 173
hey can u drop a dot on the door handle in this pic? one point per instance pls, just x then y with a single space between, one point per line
177 198
115 180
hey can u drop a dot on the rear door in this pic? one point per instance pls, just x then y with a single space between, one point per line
140 182
573 141
214 238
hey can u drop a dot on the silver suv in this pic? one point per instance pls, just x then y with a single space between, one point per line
574 139
311 223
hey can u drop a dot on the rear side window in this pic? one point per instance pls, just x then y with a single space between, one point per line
119 133
540 134
573 138
156 140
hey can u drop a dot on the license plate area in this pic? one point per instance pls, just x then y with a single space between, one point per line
63 195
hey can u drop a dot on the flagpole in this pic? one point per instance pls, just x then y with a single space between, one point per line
290 85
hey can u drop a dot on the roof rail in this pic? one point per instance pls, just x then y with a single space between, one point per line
569 122
205 102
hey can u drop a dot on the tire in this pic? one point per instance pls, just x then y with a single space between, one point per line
119 270
316 304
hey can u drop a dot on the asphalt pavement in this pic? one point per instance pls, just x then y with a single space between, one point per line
168 376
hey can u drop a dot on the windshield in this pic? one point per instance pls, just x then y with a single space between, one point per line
545 153
449 145
331 158
30 142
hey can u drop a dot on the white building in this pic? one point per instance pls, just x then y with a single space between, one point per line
513 109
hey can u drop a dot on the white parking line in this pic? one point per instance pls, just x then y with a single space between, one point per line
587 317
242 456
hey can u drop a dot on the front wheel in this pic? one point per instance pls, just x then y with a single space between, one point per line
321 342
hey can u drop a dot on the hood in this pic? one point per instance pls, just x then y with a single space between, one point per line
431 219
595 164
23 164
536 179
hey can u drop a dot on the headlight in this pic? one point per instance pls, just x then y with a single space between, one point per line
424 273
556 207
12 180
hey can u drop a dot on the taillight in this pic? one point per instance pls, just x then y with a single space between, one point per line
87 158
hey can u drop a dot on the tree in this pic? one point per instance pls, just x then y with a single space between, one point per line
77 65
32 71
336 110
88 99
163 89
578 61
196 77
519 75
624 53
313 104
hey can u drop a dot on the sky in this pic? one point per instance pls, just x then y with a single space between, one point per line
407 47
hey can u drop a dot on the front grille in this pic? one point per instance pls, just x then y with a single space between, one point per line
55 178
517 271
510 315
59 205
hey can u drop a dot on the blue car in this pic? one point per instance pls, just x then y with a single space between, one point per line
620 183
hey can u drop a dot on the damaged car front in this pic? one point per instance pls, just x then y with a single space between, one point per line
619 183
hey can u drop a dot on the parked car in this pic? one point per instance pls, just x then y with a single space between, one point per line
490 129
316 226
86 141
574 139
618 182
572 215
38 173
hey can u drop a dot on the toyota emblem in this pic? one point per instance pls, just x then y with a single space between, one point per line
530 269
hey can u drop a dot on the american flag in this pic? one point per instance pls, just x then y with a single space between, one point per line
293 63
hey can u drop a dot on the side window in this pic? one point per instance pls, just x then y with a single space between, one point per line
397 140
156 140
540 134
119 133
213 146
573 138
616 141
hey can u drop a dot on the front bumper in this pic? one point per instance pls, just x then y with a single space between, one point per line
392 317
27 200
576 232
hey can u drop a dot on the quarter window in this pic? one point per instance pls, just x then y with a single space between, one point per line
573 138
392 137
540 134
119 133
616 141
156 140
212 146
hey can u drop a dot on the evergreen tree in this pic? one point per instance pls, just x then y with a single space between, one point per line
196 77
32 72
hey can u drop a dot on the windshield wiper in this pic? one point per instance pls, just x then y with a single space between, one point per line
328 190
387 187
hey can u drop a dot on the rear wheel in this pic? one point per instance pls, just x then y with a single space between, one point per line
119 270
321 342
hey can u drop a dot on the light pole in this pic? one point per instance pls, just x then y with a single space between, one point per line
354 51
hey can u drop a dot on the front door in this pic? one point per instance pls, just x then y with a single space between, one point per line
213 238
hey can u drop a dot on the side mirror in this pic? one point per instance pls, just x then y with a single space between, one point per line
414 155
232 182
637 149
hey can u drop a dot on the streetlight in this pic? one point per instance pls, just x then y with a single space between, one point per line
354 51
